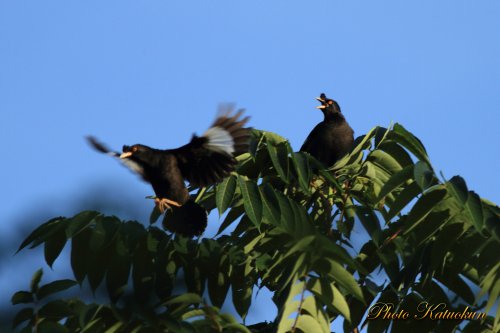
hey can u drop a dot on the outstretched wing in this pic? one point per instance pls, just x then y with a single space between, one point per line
100 147
208 159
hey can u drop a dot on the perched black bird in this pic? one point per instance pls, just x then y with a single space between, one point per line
332 138
204 161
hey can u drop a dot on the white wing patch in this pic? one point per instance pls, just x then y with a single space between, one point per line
219 140
133 166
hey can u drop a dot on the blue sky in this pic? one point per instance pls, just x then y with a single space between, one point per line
154 72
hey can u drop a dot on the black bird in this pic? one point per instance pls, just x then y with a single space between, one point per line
333 137
204 161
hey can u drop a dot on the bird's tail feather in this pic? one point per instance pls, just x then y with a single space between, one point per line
188 220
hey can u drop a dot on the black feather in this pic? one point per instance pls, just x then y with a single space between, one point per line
204 161
332 138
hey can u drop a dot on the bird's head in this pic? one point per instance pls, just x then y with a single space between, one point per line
137 152
328 106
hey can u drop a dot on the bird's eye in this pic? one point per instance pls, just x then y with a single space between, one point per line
330 102
134 149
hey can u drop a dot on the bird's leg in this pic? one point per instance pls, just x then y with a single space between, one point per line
164 204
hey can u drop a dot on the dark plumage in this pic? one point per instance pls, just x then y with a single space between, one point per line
333 137
204 161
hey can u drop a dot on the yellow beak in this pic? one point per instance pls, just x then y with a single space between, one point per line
125 155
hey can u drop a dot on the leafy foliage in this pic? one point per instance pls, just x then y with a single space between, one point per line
292 222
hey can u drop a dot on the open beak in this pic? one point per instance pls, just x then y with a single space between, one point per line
321 100
125 155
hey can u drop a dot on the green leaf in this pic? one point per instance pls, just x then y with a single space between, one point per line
79 222
397 152
424 176
331 179
273 138
403 199
155 214
336 252
104 231
79 253
279 157
22 316
118 272
51 327
489 280
251 200
396 180
370 222
242 287
474 208
303 170
380 135
22 297
301 245
307 323
242 298
40 234
285 325
424 206
218 286
233 215
186 299
290 306
56 309
287 220
115 328
330 296
410 142
340 304
339 274
54 245
225 193
457 187
236 328
96 268
192 314
364 143
142 269
384 160
431 225
300 266
35 280
54 287
93 326
456 284
270 203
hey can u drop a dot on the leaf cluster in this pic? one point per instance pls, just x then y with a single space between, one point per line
292 223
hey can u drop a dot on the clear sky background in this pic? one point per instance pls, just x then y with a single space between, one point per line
154 72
